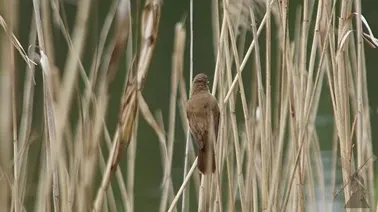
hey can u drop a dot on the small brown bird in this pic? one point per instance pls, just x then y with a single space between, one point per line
203 115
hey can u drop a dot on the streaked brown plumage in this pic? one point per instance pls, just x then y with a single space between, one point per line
203 115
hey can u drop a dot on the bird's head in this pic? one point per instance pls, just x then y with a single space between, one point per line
200 83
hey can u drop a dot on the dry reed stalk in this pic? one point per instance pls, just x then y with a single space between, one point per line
364 149
158 127
50 125
16 197
239 178
299 107
147 115
43 192
68 84
90 156
215 25
188 150
171 195
13 80
311 107
188 144
76 156
266 146
91 136
222 140
299 110
304 106
202 196
177 67
7 67
183 185
48 37
191 44
241 85
341 100
284 105
123 135
229 148
315 91
204 200
53 145
334 162
131 155
220 53
247 55
122 32
90 144
73 60
26 120
110 192
218 76
124 194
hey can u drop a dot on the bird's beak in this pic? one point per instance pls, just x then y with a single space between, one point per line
208 82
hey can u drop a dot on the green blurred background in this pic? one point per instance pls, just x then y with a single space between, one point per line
148 171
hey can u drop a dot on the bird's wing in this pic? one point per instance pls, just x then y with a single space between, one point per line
216 116
198 124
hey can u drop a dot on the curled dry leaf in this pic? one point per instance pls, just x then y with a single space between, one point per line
150 21
342 43
373 42
149 32
129 107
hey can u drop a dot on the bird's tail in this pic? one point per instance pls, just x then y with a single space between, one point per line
206 159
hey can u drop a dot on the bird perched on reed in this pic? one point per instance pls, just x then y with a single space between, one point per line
203 115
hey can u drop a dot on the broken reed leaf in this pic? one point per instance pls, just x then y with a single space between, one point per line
122 31
353 125
16 43
129 107
370 40
158 128
342 42
146 113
